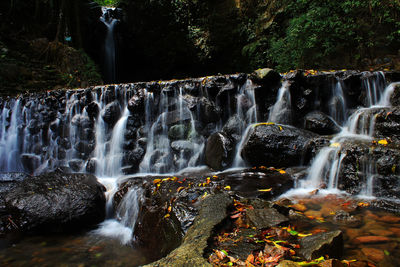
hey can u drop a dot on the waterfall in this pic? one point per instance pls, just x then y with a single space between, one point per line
337 104
325 168
126 215
109 44
281 110
10 139
245 92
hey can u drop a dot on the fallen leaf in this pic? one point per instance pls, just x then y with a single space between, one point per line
180 189
383 142
264 190
227 187
335 145
157 181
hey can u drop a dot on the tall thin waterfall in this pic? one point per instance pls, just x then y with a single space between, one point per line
281 110
246 91
10 140
325 169
109 44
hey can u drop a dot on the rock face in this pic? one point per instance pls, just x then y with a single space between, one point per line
219 151
275 145
264 218
320 123
363 159
213 210
315 246
52 202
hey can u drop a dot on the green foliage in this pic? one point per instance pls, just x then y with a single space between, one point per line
335 32
110 3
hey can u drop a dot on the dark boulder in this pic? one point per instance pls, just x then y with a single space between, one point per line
112 113
136 104
395 97
387 123
321 244
219 151
206 110
265 76
275 145
52 202
247 183
320 123
184 147
234 127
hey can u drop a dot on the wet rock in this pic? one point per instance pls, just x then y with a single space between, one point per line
155 233
275 145
206 111
30 162
93 110
389 219
344 218
354 171
373 254
185 147
234 128
136 103
75 165
387 123
177 116
372 239
112 112
332 263
320 123
264 218
395 97
190 253
321 244
53 202
177 132
265 76
219 151
247 183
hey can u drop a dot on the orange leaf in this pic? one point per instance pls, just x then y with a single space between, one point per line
180 189
250 258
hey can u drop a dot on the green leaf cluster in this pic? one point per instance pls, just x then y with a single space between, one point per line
338 32
108 3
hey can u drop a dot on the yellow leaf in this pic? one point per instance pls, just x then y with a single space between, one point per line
227 187
383 142
204 196
180 189
157 181
303 235
281 171
169 209
167 215
264 190
335 145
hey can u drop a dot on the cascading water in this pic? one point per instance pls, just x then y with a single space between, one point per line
337 104
250 117
126 215
325 168
281 110
109 44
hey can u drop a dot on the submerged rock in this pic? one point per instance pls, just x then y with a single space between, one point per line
275 145
52 202
315 246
